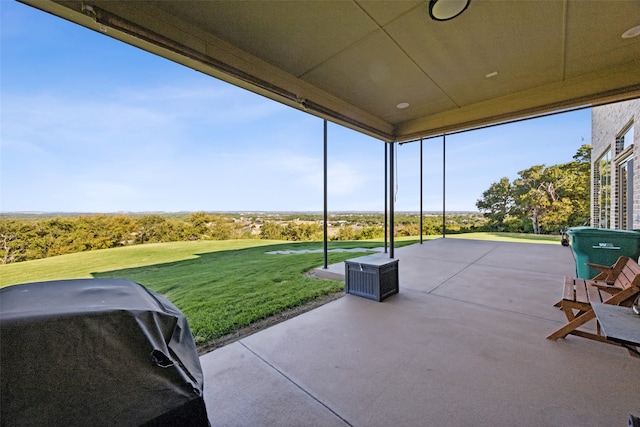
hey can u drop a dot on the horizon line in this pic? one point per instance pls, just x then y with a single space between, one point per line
241 211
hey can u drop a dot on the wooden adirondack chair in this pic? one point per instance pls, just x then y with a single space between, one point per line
609 273
617 285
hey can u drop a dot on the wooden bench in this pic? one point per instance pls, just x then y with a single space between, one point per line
617 285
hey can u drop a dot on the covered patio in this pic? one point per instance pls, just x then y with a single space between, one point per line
463 343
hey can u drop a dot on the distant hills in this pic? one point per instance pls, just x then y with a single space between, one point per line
44 214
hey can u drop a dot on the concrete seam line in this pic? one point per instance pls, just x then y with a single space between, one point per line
468 265
485 306
296 384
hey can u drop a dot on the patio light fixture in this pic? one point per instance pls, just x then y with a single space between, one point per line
443 10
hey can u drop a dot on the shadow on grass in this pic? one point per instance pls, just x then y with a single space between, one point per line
222 292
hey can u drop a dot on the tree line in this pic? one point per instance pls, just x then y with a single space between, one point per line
28 239
542 199
23 239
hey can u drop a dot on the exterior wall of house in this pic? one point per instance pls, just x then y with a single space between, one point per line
608 124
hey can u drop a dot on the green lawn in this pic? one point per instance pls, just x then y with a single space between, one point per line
509 237
86 264
221 286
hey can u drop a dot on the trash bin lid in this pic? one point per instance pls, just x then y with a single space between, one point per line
592 231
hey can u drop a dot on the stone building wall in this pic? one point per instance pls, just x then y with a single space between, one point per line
608 122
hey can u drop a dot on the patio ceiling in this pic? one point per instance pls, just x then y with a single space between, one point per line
352 62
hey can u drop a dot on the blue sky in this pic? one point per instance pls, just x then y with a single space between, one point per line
90 124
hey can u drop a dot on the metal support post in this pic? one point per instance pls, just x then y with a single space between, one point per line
444 187
391 197
421 214
386 176
325 230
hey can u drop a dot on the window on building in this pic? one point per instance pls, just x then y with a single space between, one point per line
625 192
623 208
602 191
625 140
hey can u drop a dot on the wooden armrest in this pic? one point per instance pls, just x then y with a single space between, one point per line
608 273
602 268
606 286
604 278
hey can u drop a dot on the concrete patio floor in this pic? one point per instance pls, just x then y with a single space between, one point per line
462 344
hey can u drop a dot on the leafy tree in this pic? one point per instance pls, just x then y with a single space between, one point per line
302 232
222 230
408 230
345 232
557 196
432 225
154 229
55 236
497 203
372 232
271 231
579 187
531 194
7 239
200 222
15 236
548 198
102 231
583 155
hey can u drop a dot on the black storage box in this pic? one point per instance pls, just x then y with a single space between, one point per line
372 276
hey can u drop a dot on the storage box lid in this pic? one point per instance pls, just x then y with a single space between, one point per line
376 260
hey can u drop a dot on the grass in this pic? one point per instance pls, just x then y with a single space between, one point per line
510 237
221 286
86 264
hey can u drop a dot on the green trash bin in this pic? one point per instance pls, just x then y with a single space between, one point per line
601 246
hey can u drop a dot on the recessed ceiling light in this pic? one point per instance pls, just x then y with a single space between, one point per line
495 73
402 105
443 10
631 32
